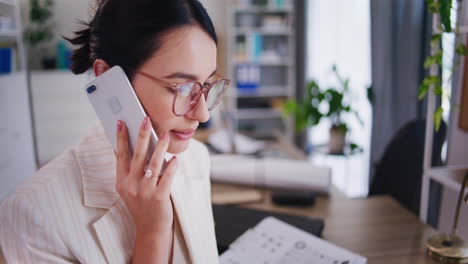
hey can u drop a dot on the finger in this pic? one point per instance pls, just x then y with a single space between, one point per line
122 154
141 148
148 184
157 159
165 181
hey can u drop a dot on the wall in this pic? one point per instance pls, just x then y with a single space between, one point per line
62 112
66 13
17 160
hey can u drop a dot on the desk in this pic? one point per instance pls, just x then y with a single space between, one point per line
378 228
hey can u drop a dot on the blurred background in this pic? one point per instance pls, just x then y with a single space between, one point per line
335 80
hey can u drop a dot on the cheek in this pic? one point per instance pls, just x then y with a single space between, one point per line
158 105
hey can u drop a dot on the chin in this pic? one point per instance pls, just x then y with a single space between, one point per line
177 147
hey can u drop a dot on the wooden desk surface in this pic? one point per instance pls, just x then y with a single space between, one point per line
378 228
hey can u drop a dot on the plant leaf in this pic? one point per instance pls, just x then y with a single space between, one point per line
433 6
438 89
444 10
343 127
426 83
434 59
435 38
438 117
461 49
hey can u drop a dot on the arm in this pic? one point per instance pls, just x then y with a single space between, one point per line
153 247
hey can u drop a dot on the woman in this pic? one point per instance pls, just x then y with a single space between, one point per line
94 205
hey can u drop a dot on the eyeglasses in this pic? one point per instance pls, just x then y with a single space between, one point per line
189 93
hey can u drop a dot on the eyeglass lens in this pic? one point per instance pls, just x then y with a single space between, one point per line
188 96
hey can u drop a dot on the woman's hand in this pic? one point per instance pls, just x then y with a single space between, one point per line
147 198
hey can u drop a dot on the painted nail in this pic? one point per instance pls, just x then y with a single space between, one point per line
146 123
119 126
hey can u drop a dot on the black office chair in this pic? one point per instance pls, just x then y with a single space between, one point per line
399 172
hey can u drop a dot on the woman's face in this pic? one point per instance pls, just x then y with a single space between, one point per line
186 54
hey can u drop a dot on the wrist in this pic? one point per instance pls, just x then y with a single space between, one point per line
158 234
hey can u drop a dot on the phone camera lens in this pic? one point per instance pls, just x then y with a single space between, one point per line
91 89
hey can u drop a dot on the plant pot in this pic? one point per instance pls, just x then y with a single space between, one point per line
337 141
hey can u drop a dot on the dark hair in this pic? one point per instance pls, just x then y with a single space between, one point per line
126 33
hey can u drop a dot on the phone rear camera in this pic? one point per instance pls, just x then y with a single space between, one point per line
91 89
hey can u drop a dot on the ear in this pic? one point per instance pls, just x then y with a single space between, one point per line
99 67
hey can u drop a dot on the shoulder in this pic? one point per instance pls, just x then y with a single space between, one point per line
54 176
33 214
45 191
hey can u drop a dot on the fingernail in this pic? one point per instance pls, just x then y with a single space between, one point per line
119 126
146 123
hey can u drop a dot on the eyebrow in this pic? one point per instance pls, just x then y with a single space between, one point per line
183 75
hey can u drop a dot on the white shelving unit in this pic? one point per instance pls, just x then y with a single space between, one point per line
13 36
275 59
449 176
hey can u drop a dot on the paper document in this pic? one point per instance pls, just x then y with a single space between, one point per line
276 242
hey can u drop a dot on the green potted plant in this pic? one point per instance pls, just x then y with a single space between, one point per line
39 29
331 104
433 80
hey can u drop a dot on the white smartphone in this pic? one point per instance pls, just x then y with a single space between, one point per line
113 98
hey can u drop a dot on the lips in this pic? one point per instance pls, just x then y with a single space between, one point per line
183 134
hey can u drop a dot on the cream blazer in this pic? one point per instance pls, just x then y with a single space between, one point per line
69 211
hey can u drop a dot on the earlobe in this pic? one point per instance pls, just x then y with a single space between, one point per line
100 66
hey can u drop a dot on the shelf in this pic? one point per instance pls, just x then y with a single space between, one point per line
266 62
265 91
450 176
257 113
264 31
8 36
261 9
258 36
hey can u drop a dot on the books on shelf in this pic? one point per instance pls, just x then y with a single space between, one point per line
7 59
265 3
249 48
248 76
256 47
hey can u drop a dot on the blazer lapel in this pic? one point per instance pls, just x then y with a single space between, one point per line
179 196
115 229
187 201
116 233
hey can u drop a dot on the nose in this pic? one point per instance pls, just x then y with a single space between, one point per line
200 111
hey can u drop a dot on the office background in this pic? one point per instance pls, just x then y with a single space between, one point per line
375 43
